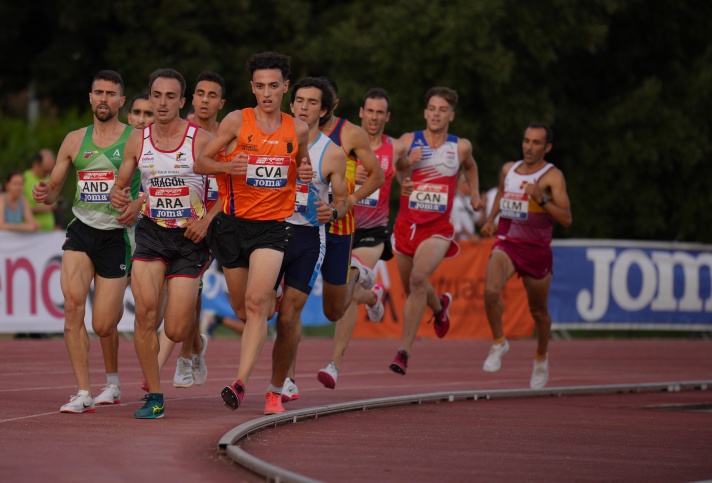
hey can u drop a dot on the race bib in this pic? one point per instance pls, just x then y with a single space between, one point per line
428 197
212 188
514 206
170 203
371 201
302 199
94 186
267 171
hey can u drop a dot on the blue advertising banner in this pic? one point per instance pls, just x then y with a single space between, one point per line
617 284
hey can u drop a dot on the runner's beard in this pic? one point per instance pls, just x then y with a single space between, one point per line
104 116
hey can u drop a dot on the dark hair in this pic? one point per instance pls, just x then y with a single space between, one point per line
445 92
327 95
332 83
13 173
111 76
37 157
268 61
212 77
545 127
143 95
167 74
378 93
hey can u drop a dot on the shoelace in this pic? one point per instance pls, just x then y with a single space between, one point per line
184 367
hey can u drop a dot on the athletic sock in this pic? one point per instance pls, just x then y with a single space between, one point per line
274 389
112 378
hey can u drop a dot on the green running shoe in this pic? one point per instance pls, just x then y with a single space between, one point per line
153 409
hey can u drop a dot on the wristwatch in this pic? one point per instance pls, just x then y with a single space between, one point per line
334 214
544 200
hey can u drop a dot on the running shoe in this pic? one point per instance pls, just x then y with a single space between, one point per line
144 385
494 359
328 375
81 403
442 318
200 370
184 373
540 374
375 311
232 395
290 392
273 403
400 363
111 394
366 277
153 407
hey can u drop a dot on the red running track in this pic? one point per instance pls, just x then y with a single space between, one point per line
583 438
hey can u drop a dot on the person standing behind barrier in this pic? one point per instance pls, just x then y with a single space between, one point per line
265 150
42 163
372 239
97 246
423 234
531 197
170 245
15 211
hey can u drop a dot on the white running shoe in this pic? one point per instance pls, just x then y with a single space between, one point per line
375 311
540 374
111 394
366 277
328 375
81 403
494 359
200 370
184 373
290 392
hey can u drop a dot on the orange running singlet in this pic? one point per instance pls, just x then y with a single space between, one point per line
268 190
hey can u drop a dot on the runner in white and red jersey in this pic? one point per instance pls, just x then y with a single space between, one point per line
423 234
170 245
531 197
372 236
208 99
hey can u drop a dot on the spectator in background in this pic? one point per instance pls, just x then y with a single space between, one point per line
464 219
15 212
42 164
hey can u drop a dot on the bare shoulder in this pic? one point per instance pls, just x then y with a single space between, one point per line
407 139
399 147
231 122
354 136
464 147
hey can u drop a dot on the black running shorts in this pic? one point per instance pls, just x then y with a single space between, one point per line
371 237
232 240
108 250
182 257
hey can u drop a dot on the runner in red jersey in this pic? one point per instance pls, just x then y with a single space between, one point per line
532 195
423 233
372 236
265 148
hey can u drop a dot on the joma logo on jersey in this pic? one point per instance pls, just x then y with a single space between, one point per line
89 154
179 155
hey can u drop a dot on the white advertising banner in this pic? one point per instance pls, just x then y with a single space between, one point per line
30 293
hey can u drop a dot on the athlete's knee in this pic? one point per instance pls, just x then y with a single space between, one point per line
177 334
418 281
104 330
492 295
334 312
540 314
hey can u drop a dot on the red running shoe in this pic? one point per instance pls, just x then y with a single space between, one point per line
273 403
442 318
232 395
400 363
